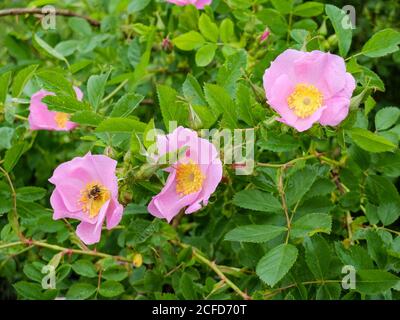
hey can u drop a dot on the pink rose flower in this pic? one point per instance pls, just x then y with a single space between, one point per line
200 4
87 190
192 179
309 87
41 118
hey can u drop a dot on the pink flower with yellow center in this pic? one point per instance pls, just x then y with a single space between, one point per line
309 87
200 4
192 179
86 189
41 118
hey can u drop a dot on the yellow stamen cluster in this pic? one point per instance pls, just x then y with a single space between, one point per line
189 178
305 100
61 119
93 197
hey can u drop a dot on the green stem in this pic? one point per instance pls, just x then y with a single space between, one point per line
278 290
63 249
14 213
115 91
217 269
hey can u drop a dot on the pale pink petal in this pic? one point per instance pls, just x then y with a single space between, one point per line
168 203
90 233
114 215
336 111
283 64
280 92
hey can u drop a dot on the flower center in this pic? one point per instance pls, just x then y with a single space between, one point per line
61 119
305 100
93 197
189 178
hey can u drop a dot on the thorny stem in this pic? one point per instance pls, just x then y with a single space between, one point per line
202 259
14 215
60 12
292 162
270 294
283 201
63 249
120 86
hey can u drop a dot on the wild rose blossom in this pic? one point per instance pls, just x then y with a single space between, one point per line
200 4
309 87
41 118
87 190
192 179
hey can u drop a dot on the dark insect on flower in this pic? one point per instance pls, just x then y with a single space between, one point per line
94 193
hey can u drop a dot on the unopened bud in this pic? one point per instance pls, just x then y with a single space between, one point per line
137 260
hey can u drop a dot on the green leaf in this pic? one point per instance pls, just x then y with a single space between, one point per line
126 105
233 68
13 155
337 17
141 68
115 273
4 82
80 26
382 43
136 6
276 263
311 224
96 86
386 118
189 41
33 271
6 135
308 9
221 103
318 256
244 102
28 290
373 282
171 110
370 141
111 289
87 117
283 6
279 143
329 291
85 268
44 46
192 91
208 28
274 20
227 31
134 52
21 79
121 125
186 287
205 55
254 233
80 291
355 256
256 200
30 194
298 185
56 82
67 104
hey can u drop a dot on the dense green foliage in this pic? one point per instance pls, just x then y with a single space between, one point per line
317 200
